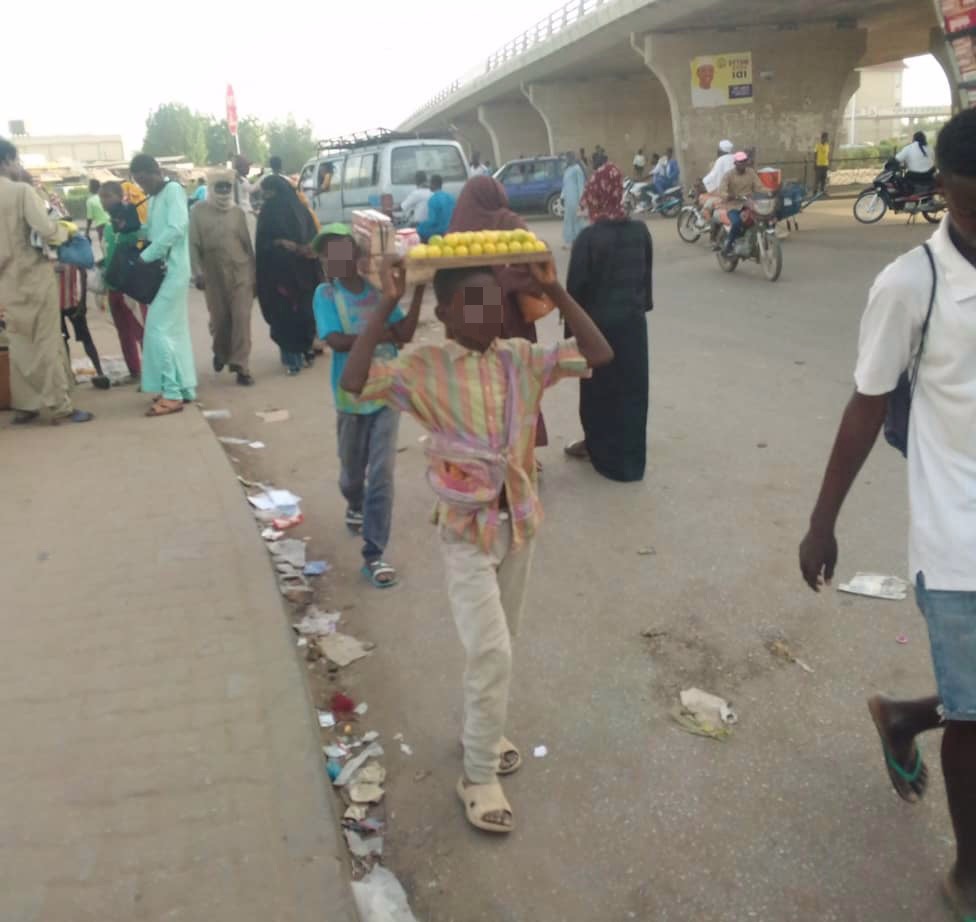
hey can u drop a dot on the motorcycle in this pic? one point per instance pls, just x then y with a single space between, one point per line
892 189
691 219
758 240
640 198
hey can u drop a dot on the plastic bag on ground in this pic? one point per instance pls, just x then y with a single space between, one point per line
380 898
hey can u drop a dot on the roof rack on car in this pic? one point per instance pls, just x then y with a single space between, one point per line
375 136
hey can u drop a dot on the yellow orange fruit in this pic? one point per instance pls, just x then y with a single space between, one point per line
468 238
477 249
419 251
434 252
436 241
515 247
449 251
502 248
461 251
490 249
505 236
540 247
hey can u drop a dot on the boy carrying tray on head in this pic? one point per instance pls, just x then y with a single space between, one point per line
478 396
367 430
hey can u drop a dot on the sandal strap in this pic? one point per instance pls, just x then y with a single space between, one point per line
908 776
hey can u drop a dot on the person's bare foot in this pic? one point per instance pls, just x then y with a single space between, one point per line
908 772
961 896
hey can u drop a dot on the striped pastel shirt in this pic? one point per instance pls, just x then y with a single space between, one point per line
459 392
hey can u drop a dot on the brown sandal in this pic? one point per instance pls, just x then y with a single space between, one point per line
164 407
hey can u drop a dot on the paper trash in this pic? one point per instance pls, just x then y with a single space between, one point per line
365 793
273 416
705 714
318 623
380 898
351 768
216 414
342 649
363 847
877 586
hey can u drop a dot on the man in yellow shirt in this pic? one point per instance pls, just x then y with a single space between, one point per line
822 163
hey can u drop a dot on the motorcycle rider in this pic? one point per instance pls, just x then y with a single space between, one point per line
917 160
708 198
666 174
740 183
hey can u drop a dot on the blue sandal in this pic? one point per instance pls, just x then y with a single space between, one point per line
375 570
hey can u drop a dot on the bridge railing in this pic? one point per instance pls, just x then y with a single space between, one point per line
571 12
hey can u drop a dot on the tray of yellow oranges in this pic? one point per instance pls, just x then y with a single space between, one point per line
474 248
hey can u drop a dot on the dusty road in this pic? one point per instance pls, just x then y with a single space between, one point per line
628 817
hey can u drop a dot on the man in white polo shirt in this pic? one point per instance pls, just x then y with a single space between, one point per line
941 488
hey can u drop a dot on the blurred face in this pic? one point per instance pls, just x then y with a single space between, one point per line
740 166
960 196
10 169
150 183
222 193
338 258
108 198
474 316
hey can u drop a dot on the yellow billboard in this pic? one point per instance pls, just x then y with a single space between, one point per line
721 80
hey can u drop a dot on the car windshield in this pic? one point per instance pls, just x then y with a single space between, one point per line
443 159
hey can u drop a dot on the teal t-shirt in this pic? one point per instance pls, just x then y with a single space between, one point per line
338 310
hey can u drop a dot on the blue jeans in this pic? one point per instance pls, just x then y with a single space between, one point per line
367 453
951 620
735 230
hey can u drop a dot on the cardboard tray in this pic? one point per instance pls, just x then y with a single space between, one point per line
421 271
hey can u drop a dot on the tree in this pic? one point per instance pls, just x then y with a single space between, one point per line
292 142
173 130
220 143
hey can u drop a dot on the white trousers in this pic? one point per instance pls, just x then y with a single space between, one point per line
487 595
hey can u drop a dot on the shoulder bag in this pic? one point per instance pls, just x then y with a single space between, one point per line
900 399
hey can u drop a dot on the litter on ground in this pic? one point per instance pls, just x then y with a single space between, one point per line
342 649
365 793
316 568
273 416
326 720
704 714
361 709
380 898
363 847
351 768
877 586
216 414
781 649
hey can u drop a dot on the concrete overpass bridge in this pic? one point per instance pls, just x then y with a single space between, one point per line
656 73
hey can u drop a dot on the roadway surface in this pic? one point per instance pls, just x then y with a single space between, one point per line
628 817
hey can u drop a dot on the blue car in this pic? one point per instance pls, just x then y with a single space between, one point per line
534 184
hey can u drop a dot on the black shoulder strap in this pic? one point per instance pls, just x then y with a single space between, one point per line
928 314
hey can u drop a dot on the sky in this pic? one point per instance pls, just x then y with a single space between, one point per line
344 66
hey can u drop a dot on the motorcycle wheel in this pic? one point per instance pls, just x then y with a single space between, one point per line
870 207
771 258
688 225
933 217
630 203
725 263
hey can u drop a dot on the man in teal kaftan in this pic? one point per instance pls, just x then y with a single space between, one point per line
167 351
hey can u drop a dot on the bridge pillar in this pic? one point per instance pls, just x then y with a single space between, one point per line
621 113
473 135
516 129
801 82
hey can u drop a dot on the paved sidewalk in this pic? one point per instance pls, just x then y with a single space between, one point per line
160 756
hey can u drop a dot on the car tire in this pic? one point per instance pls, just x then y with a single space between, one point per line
554 205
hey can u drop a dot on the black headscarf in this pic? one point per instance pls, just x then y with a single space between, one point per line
283 216
286 280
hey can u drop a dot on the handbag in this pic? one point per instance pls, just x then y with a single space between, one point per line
77 252
900 399
132 276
